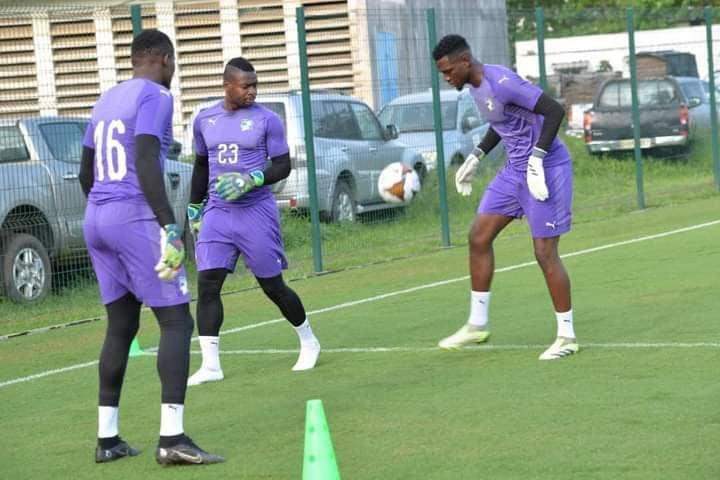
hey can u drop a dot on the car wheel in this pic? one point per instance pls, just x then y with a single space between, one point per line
26 269
421 171
343 205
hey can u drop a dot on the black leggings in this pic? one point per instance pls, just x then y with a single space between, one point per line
173 358
210 308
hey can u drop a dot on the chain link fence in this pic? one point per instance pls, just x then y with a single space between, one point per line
365 71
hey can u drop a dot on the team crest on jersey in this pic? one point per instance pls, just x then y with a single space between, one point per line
246 124
183 285
489 104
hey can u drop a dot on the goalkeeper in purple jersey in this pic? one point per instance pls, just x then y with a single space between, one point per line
535 182
135 246
240 149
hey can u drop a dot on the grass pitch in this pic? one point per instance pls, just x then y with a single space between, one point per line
638 402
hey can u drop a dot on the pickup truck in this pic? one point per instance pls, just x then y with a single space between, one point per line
667 116
42 205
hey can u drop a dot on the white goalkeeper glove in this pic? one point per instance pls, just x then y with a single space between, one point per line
172 253
467 171
536 175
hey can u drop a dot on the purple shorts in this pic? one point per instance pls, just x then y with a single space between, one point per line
251 230
123 239
508 195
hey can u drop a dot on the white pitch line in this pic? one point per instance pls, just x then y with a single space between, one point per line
606 346
600 346
47 373
376 298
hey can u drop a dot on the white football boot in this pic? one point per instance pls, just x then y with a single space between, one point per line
561 347
308 357
467 335
205 375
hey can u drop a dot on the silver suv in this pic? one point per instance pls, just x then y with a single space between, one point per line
351 149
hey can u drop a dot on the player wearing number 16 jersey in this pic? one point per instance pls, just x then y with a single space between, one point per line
135 245
240 149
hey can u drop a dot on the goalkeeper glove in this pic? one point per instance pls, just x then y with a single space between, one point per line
467 171
536 175
194 215
172 252
232 186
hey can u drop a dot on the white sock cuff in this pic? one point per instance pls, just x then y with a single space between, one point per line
302 326
565 324
479 303
171 419
480 295
107 422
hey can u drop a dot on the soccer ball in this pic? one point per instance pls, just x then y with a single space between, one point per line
398 183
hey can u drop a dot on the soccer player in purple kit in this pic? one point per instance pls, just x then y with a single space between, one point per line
128 226
240 149
536 182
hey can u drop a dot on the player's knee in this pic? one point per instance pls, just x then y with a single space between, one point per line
274 287
479 242
546 256
210 282
122 328
175 318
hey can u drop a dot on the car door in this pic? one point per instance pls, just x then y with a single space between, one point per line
64 141
341 125
379 151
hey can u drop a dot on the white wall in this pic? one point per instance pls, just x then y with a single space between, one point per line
614 48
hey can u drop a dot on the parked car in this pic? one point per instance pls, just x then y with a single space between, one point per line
670 114
463 125
351 149
41 202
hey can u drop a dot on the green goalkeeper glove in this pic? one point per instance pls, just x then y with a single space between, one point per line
194 215
232 186
172 252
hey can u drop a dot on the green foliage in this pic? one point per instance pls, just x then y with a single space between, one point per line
584 17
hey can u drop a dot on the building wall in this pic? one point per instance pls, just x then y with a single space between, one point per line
614 49
400 26
59 59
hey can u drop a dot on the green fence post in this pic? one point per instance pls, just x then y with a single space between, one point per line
439 142
713 108
635 108
136 16
309 141
540 27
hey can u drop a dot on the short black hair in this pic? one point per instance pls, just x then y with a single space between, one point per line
151 42
241 63
450 45
235 64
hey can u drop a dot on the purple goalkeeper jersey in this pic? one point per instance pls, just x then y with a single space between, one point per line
241 141
507 101
134 107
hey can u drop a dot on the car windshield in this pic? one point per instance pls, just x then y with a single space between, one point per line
693 89
418 117
12 145
651 93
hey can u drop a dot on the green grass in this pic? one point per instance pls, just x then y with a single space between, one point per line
604 187
609 412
